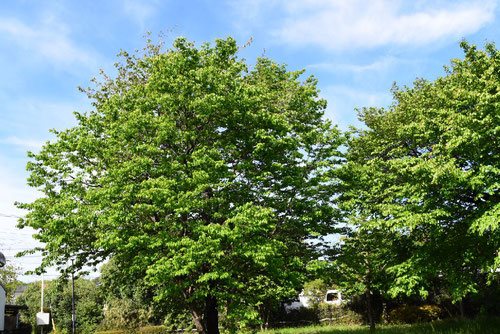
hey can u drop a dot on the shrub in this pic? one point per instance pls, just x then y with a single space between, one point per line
338 315
153 330
178 321
411 313
125 314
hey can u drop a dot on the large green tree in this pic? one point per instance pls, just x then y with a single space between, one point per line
201 174
428 168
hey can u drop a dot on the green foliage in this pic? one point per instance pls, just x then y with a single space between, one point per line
178 322
362 257
128 302
411 314
324 312
315 290
125 314
30 298
8 279
426 169
142 330
361 260
338 315
194 173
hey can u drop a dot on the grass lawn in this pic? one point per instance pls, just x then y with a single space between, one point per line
477 326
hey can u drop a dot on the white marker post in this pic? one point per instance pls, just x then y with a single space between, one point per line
42 318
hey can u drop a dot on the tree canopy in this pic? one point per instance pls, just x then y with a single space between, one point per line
9 280
202 175
428 168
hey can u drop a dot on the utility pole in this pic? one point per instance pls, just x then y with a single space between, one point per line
73 313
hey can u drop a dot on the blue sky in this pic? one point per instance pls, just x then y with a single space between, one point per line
356 49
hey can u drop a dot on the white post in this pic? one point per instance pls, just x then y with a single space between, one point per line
41 306
41 300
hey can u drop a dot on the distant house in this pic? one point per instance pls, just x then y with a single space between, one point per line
10 319
19 291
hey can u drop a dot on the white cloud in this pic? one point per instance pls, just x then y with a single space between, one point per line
341 25
23 143
376 66
140 11
49 39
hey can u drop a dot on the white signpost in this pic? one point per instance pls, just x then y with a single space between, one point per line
42 318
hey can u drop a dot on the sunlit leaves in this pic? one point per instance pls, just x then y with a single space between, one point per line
195 172
428 167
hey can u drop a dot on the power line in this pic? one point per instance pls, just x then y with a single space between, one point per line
24 256
6 215
17 232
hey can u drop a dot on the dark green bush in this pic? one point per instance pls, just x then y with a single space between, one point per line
153 330
141 330
412 314
338 315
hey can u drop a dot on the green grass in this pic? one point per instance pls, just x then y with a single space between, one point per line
477 326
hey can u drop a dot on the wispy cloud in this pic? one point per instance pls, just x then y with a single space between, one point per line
140 11
377 65
49 39
358 24
23 143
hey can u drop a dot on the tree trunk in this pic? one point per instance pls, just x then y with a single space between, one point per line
198 322
265 315
211 315
369 309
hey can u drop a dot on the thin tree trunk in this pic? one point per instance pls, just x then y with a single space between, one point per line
369 309
211 315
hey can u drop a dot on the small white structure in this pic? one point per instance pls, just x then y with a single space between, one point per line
42 318
333 297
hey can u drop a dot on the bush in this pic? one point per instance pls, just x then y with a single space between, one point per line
142 330
295 317
338 315
153 330
178 321
125 314
411 314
